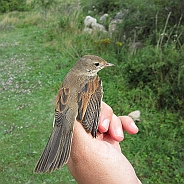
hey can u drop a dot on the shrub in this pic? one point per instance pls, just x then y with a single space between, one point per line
142 19
161 70
13 5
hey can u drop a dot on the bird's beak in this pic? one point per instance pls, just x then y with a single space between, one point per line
109 64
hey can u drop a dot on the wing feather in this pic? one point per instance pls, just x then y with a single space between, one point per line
57 150
89 102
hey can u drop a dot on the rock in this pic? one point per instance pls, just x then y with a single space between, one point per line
113 25
103 18
98 27
119 15
88 30
89 20
91 25
135 115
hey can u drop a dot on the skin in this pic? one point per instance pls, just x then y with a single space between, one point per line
100 160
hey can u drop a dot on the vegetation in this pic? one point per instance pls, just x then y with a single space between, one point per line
39 44
13 5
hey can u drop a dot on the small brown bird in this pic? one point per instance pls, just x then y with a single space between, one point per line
79 98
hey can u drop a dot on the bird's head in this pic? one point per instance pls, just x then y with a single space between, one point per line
90 64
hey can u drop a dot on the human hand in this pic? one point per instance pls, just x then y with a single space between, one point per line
100 160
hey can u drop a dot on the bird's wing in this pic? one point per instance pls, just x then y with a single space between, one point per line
89 105
57 150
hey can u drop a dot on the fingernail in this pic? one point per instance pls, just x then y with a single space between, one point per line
119 132
134 125
105 124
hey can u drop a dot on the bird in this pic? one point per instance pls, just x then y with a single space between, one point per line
79 98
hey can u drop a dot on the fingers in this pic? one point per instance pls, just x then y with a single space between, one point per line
105 117
115 129
114 125
128 124
119 124
110 123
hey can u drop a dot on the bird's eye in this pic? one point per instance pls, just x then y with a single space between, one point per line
96 64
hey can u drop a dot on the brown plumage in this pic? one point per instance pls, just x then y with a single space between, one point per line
79 98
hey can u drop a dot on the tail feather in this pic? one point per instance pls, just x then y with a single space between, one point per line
67 150
56 152
62 154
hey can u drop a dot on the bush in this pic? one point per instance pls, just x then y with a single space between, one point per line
142 19
158 65
13 5
161 70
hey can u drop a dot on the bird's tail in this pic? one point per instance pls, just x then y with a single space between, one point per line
56 152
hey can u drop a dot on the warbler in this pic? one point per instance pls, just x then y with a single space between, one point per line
79 98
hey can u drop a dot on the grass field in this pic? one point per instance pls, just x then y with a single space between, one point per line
32 66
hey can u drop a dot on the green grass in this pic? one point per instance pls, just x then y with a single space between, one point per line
29 79
35 55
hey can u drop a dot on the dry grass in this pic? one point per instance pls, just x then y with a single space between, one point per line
19 19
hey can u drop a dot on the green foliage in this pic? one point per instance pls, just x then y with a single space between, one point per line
150 41
13 5
44 5
143 20
103 6
27 94
162 70
159 149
